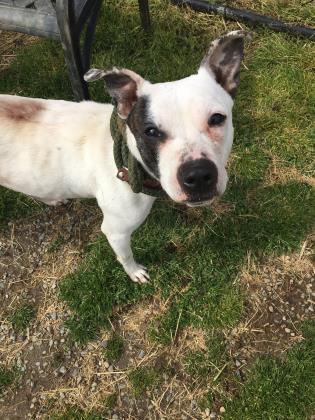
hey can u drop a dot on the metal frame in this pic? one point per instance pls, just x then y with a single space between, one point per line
66 21
144 14
71 28
247 16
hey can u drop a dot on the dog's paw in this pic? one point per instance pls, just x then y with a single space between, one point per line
140 275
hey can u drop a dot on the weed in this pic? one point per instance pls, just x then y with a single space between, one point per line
114 348
7 378
143 379
56 244
21 317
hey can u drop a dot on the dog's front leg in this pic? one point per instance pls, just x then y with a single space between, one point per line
120 242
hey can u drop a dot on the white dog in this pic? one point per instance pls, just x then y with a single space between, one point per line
181 133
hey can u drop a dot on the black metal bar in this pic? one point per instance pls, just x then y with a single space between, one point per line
86 53
70 40
246 16
145 14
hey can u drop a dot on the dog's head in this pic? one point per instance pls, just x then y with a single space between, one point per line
182 130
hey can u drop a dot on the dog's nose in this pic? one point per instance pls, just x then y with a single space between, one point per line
198 178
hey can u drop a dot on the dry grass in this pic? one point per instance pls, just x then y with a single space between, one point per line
280 173
10 44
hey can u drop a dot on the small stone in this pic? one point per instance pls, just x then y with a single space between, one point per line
111 369
222 409
106 365
104 344
292 334
207 412
213 415
115 417
141 354
270 308
62 370
237 363
53 316
287 330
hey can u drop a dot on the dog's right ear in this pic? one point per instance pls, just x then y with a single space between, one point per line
122 85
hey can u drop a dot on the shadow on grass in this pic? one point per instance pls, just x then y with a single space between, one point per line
199 273
14 205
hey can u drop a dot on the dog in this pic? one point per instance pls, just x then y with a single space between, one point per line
180 132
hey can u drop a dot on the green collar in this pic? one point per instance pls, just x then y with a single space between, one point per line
129 169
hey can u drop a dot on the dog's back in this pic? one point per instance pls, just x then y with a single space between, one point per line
44 145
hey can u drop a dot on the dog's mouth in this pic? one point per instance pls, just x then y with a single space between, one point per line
200 203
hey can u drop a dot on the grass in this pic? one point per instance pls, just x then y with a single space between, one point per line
56 244
143 379
21 317
75 414
14 206
114 348
195 257
293 11
280 388
7 378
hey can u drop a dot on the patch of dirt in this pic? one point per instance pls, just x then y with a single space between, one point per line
35 253
281 296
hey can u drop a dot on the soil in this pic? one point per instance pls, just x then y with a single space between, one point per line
38 251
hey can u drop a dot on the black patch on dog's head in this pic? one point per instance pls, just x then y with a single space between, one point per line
138 121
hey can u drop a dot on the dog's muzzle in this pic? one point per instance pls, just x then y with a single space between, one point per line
198 179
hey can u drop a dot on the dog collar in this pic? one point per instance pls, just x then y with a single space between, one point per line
128 168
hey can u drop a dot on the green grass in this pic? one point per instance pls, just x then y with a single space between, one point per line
7 378
143 379
195 256
114 348
110 402
74 413
294 11
14 206
56 244
21 317
280 388
210 361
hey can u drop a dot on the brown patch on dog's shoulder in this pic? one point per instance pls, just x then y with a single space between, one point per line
21 110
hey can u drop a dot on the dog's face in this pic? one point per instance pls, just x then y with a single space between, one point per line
182 131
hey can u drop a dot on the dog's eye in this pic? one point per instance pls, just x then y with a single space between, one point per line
216 119
153 132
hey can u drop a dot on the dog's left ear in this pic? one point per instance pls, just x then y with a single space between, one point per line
122 85
224 59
